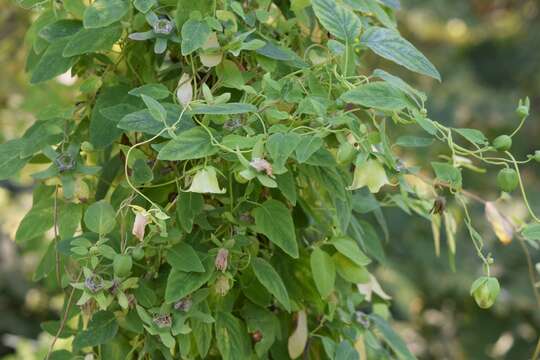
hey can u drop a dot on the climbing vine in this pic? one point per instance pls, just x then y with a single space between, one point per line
218 189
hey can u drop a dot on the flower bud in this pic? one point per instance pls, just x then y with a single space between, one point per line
222 285
139 225
485 291
262 165
222 259
523 107
184 91
183 304
537 156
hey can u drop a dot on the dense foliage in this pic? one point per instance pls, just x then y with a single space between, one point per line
211 192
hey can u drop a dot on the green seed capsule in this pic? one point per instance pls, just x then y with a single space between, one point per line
485 291
122 265
537 156
502 143
345 153
507 180
138 253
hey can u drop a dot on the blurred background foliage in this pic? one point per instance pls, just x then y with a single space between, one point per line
488 53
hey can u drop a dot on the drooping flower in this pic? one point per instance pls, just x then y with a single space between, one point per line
371 174
184 92
205 182
222 285
499 223
262 165
139 225
222 259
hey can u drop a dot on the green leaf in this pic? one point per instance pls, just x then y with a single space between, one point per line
180 283
348 247
274 220
36 222
188 206
157 110
378 95
100 217
52 63
142 121
194 36
271 280
307 146
60 29
448 173
144 5
103 131
287 186
390 45
393 339
231 337
102 13
372 7
350 271
61 355
47 263
194 143
413 141
142 173
186 7
339 21
156 91
223 109
69 219
182 257
10 161
531 232
101 329
473 135
92 40
280 146
323 271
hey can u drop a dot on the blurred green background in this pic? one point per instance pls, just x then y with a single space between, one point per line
488 52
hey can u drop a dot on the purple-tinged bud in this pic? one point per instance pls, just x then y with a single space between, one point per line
222 259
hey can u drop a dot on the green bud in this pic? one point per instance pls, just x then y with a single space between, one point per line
537 156
87 147
122 265
345 153
138 253
507 180
523 107
502 143
485 291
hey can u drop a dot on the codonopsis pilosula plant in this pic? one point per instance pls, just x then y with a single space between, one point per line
212 195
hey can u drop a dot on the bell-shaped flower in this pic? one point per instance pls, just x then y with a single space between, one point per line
205 182
371 174
222 259
139 225
184 92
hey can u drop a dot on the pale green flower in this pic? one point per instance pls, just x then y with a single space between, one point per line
371 174
205 181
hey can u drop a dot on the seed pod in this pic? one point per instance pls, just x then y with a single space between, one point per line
345 153
485 291
507 180
502 143
122 265
138 253
537 156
